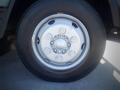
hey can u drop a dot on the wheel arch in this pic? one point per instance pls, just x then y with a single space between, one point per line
107 16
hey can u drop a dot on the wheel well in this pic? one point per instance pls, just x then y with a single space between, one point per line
101 6
104 10
18 10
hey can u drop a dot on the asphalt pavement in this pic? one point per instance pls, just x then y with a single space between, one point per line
14 76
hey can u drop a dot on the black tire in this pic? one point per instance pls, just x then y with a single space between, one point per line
78 9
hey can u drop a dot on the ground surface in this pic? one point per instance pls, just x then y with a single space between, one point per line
14 76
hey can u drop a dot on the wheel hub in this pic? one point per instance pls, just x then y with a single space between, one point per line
60 44
62 47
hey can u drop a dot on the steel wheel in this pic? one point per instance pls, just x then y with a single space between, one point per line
60 41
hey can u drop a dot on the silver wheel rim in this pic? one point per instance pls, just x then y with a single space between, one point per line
60 42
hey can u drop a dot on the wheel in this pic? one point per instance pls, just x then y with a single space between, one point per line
61 40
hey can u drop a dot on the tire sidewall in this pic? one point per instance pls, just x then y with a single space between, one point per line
81 11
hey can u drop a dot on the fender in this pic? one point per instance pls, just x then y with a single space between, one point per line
5 10
115 11
7 5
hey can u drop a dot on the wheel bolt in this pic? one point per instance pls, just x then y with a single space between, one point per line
51 42
55 50
63 51
68 44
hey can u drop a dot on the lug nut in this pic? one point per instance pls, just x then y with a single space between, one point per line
68 44
63 51
55 50
51 42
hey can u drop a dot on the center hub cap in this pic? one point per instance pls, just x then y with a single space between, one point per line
60 47
60 44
